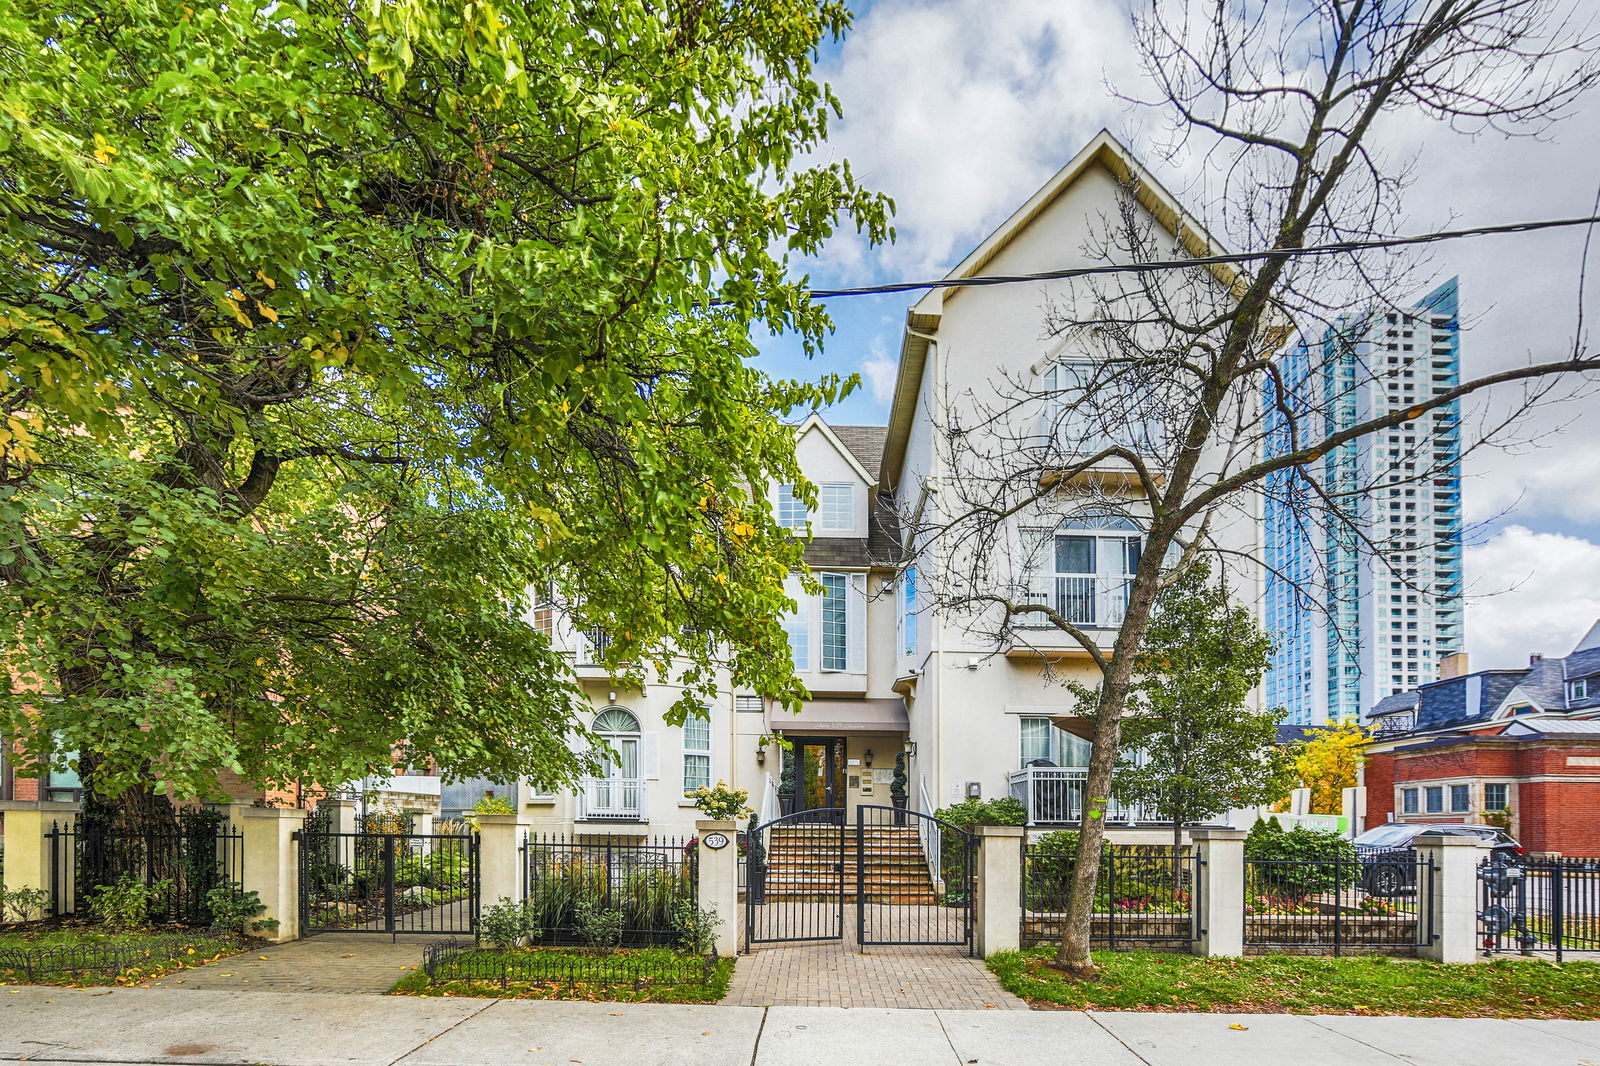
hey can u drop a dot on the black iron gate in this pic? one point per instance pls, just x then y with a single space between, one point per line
388 882
909 875
1539 905
794 878
915 879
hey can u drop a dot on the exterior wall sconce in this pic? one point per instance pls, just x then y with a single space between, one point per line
761 756
866 756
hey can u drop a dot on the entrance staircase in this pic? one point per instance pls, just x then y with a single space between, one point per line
803 863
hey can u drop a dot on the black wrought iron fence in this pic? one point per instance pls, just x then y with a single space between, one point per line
446 961
1540 905
1145 894
178 864
1380 903
574 887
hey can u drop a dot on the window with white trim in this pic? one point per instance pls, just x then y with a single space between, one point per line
1460 799
908 612
835 621
696 752
1408 801
1083 569
1434 797
1578 689
838 502
1040 738
791 509
1496 796
797 623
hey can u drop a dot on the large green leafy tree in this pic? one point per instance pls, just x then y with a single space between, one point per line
331 329
1194 747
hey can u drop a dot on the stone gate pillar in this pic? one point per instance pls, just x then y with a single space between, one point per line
997 897
718 871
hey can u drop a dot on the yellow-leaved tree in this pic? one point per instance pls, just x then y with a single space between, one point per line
1329 760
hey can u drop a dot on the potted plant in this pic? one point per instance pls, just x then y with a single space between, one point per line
897 789
786 784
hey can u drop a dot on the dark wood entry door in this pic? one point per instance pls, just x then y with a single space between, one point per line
819 777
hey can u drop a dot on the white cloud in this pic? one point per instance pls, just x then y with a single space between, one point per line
960 109
878 371
1529 592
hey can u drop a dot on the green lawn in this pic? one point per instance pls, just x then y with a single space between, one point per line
58 955
641 975
1297 984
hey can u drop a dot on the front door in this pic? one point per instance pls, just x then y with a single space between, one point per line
819 777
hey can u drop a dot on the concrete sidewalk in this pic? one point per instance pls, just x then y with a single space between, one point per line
132 1025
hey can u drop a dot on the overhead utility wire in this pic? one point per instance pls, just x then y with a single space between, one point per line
1208 260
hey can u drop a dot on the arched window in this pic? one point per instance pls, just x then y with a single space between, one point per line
1082 568
615 721
620 730
618 791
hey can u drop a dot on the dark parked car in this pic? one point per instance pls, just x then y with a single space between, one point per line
1389 853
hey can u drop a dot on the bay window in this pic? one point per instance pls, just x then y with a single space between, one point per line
835 622
838 618
797 624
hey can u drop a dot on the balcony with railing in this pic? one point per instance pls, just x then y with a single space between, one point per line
1053 795
611 799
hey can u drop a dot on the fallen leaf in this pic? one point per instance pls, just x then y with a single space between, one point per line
706 1033
616 1014
1236 1025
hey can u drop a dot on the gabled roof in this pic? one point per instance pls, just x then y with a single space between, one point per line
865 443
869 474
1103 150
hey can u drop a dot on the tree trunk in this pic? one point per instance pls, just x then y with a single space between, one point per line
1073 956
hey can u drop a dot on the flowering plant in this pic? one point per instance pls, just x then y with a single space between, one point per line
721 802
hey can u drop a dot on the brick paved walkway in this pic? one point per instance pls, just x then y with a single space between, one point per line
839 974
327 962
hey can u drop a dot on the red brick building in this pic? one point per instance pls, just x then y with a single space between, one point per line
1522 741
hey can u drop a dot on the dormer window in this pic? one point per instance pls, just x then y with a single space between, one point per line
1579 689
838 500
791 508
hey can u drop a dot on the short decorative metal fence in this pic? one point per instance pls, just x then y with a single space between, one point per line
1381 903
1145 895
449 960
30 964
568 881
1540 905
182 863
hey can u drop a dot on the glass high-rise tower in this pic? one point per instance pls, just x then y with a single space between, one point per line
1366 603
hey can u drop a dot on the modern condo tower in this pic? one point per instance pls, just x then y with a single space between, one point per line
1367 604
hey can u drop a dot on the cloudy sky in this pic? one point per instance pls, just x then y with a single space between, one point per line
960 109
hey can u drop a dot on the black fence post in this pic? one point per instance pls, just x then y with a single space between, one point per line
388 883
1338 904
1558 906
